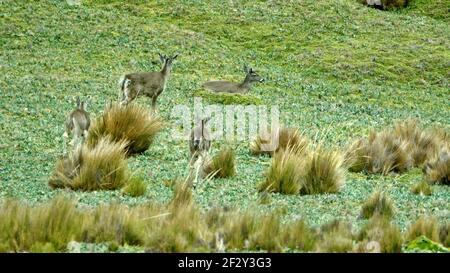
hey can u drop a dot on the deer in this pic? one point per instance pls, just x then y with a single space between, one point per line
200 139
232 87
199 145
77 123
150 84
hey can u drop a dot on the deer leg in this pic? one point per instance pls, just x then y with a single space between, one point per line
65 138
154 103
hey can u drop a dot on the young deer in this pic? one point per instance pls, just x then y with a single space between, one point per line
200 140
199 144
232 87
150 84
78 122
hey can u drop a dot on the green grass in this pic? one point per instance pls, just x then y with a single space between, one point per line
227 99
334 68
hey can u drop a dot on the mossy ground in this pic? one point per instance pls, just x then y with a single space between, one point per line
334 68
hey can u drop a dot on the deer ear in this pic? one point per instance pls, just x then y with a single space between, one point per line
245 68
174 57
161 57
78 101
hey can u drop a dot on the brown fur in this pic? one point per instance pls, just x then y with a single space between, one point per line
200 139
78 122
150 84
232 87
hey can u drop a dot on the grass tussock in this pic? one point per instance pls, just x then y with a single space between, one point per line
422 188
222 165
335 237
180 226
378 204
380 233
427 226
437 171
135 187
444 234
292 171
103 167
51 226
135 124
284 138
398 149
284 174
323 172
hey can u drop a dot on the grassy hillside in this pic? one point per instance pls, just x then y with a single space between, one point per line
334 68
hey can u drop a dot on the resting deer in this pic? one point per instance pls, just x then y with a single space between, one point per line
150 84
78 122
233 87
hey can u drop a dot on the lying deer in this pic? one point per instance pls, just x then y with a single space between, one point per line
78 122
150 84
232 87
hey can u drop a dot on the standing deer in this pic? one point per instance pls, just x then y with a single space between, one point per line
150 84
200 139
199 144
233 87
77 123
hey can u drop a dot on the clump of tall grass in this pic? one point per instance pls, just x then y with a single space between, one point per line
335 236
282 139
284 174
444 234
421 144
379 229
24 227
298 235
422 188
103 167
437 171
323 172
380 153
294 171
222 165
135 187
399 149
425 225
134 124
378 204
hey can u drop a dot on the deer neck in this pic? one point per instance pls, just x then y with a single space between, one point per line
165 71
246 84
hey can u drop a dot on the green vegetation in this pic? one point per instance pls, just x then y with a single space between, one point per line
422 187
336 70
134 124
135 187
223 164
379 204
423 244
394 150
103 167
226 98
